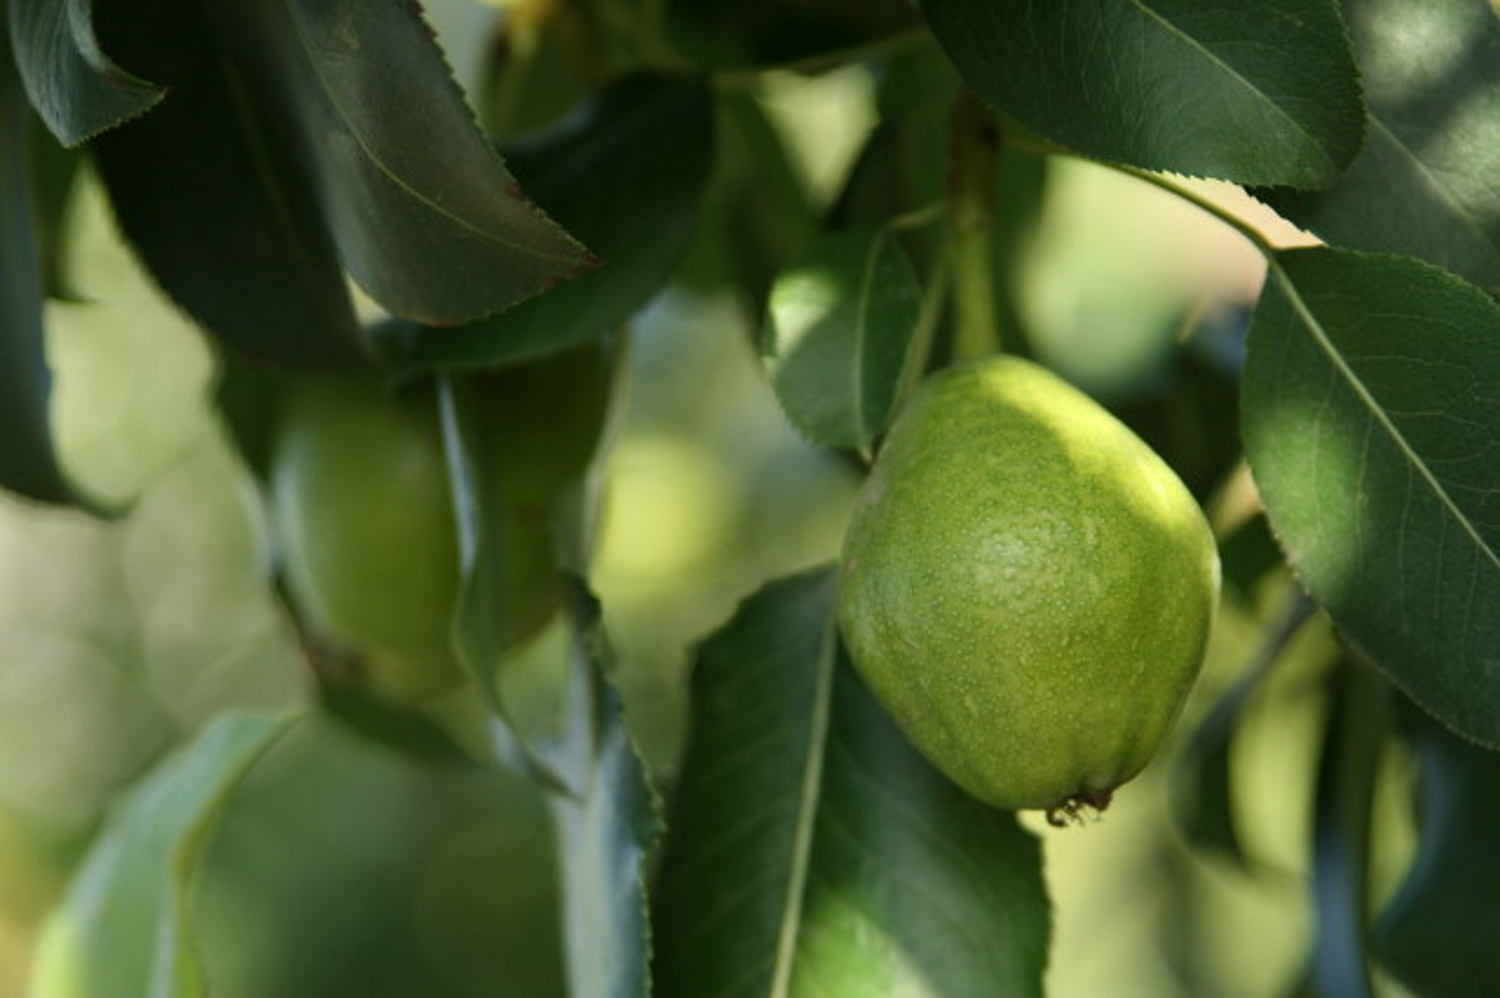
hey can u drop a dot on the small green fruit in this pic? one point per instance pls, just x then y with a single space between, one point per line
1026 587
359 494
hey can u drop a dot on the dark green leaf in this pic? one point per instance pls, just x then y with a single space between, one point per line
1262 93
72 83
1352 743
606 826
215 195
626 174
425 214
322 118
813 852
838 330
123 930
1425 184
28 464
1437 935
1371 419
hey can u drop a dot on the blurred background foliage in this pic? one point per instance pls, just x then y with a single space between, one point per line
343 868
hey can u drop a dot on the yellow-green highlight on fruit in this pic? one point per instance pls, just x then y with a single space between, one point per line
1026 587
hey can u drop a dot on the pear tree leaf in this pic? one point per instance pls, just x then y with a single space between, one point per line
606 825
625 173
218 201
813 852
123 930
1437 934
839 326
28 464
303 143
1262 93
1427 182
75 87
1371 421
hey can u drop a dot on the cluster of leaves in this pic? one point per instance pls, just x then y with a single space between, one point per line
255 154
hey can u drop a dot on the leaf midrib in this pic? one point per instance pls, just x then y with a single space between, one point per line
1325 343
807 809
396 180
1257 92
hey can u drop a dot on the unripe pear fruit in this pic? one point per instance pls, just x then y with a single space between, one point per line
1026 587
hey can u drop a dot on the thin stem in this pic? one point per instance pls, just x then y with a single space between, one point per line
971 216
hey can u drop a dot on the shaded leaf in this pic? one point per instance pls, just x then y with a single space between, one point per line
124 927
839 326
1371 419
28 464
1437 935
217 198
75 87
1260 93
435 237
1427 182
813 852
322 119
606 826
626 174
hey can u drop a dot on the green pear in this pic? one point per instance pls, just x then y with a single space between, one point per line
1026 587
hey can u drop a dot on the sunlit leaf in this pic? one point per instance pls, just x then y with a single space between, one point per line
1427 182
626 174
1262 93
838 329
1371 419
76 88
27 461
811 851
124 930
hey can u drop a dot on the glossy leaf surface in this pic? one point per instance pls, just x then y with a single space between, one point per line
321 119
625 174
217 199
1427 182
1262 93
1371 419
813 852
73 84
